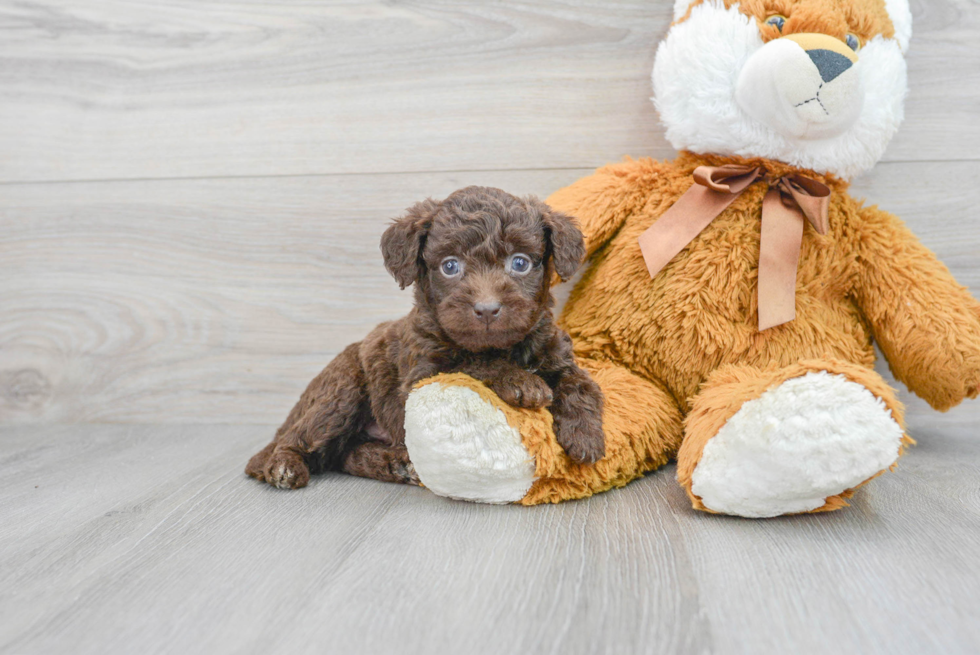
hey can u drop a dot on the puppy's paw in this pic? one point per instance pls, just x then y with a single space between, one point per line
581 436
522 389
286 470
397 469
256 466
379 461
407 475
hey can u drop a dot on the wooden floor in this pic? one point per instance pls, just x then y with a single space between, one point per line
137 539
191 198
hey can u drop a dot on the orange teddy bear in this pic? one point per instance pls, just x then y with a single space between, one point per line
734 293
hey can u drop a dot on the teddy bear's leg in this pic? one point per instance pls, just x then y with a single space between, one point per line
762 443
643 427
466 443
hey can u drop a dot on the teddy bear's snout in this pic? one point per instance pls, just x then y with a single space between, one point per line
804 86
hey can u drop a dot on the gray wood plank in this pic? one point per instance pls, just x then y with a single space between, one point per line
120 539
110 90
114 293
218 300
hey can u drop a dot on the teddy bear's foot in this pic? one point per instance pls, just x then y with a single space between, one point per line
800 444
463 447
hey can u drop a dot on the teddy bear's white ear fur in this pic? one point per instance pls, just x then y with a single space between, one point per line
680 8
901 15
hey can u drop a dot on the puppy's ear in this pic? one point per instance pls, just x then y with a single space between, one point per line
565 241
402 242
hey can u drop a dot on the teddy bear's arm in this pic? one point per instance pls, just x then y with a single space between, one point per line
603 201
927 325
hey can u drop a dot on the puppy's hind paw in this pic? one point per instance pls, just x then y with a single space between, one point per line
409 474
373 459
286 470
400 470
256 466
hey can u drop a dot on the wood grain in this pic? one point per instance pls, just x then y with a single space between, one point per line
124 539
166 301
191 197
216 301
203 88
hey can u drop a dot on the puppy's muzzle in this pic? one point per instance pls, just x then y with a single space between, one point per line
804 86
487 311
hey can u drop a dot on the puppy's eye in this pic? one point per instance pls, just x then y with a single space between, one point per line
451 267
520 264
777 21
853 42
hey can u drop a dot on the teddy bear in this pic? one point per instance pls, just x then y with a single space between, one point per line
734 295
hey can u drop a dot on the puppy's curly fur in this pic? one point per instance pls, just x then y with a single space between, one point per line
482 262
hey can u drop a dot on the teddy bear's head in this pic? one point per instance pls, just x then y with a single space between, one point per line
818 84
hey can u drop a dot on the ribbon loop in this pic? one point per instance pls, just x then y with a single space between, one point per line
812 197
738 178
789 200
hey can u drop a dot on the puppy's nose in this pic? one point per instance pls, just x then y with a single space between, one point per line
487 311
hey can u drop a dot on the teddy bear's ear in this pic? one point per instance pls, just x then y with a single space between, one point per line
680 8
901 15
403 241
566 246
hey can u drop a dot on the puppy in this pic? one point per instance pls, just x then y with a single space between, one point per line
482 262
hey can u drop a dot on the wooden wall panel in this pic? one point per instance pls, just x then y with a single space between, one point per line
117 90
196 300
218 300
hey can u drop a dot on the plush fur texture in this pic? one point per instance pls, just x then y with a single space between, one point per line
467 456
699 66
679 356
870 14
764 442
480 458
867 280
901 17
481 262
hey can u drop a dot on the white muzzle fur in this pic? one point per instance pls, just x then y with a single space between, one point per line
802 86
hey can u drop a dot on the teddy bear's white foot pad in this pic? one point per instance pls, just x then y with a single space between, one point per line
797 444
463 447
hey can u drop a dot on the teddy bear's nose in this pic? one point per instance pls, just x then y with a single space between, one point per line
830 55
829 63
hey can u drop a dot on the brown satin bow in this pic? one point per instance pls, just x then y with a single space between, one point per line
789 199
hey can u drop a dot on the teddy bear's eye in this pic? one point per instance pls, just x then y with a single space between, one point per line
777 21
853 42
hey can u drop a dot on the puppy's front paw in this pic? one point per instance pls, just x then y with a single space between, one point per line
523 389
581 436
286 470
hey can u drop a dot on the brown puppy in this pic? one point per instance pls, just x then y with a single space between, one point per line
482 262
